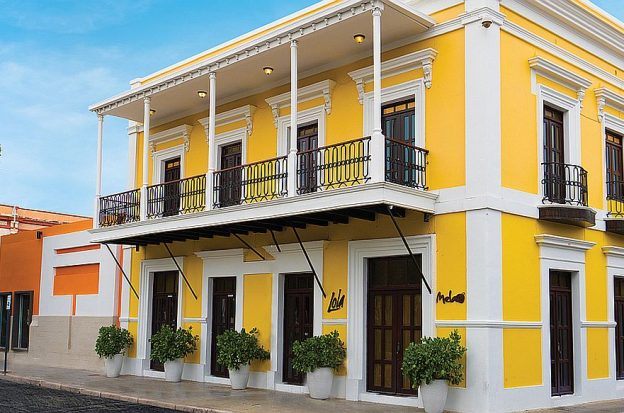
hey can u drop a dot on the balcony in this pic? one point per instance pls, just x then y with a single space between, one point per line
614 221
564 188
328 178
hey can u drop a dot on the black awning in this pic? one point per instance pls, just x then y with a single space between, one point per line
338 216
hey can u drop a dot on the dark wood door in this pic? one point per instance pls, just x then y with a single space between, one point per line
307 142
398 124
231 174
561 342
223 317
618 286
394 319
554 156
172 187
4 319
614 160
298 319
164 305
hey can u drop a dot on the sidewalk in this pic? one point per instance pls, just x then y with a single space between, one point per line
202 397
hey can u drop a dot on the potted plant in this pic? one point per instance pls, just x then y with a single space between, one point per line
170 347
432 364
112 343
318 357
236 351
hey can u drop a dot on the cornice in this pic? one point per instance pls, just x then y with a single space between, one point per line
235 115
322 89
606 97
422 59
182 131
554 241
613 251
556 73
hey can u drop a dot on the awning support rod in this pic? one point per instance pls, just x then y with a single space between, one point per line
318 282
279 249
122 271
418 267
248 245
180 270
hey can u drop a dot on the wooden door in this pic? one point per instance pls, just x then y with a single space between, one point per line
561 342
164 305
618 286
223 317
398 124
614 160
307 142
231 174
394 319
172 187
554 156
298 319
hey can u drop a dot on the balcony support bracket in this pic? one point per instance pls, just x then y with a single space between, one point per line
248 245
122 271
279 249
409 250
307 257
180 270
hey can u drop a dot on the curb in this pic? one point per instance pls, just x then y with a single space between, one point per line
34 381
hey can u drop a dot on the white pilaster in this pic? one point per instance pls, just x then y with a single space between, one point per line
98 179
292 153
212 150
378 141
133 134
146 135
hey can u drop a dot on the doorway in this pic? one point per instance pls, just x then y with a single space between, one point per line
618 294
231 175
164 305
561 342
223 317
307 143
554 156
172 187
394 319
298 319
5 319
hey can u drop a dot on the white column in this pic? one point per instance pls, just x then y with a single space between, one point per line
146 135
98 179
378 141
212 149
292 153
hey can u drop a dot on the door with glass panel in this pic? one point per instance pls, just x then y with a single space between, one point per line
561 341
4 319
307 143
231 175
164 305
223 317
172 187
22 317
298 319
614 168
394 320
398 124
554 156
618 295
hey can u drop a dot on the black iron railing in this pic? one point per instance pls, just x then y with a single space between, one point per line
333 166
120 208
406 164
184 196
564 184
254 182
615 198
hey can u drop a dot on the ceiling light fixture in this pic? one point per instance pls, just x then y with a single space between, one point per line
359 38
267 70
202 93
152 112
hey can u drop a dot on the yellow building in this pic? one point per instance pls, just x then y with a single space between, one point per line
472 147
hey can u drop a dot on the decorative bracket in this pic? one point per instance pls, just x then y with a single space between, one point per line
243 113
322 89
182 131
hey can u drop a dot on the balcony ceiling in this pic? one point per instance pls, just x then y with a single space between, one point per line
321 49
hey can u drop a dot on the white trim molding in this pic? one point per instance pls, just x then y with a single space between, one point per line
317 114
606 97
160 157
231 116
422 59
179 132
232 136
322 89
545 68
570 244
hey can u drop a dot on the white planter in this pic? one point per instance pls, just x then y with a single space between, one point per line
239 378
113 365
173 370
320 383
434 396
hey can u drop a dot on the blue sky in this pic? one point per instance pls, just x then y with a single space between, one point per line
59 56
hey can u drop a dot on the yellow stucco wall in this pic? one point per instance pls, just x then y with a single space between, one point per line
257 311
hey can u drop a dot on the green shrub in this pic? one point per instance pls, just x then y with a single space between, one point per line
169 344
436 358
112 340
236 349
317 352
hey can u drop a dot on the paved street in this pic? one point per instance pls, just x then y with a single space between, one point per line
20 397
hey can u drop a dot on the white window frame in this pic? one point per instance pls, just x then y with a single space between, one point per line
415 88
615 269
148 268
317 113
615 124
227 138
359 252
161 157
571 109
